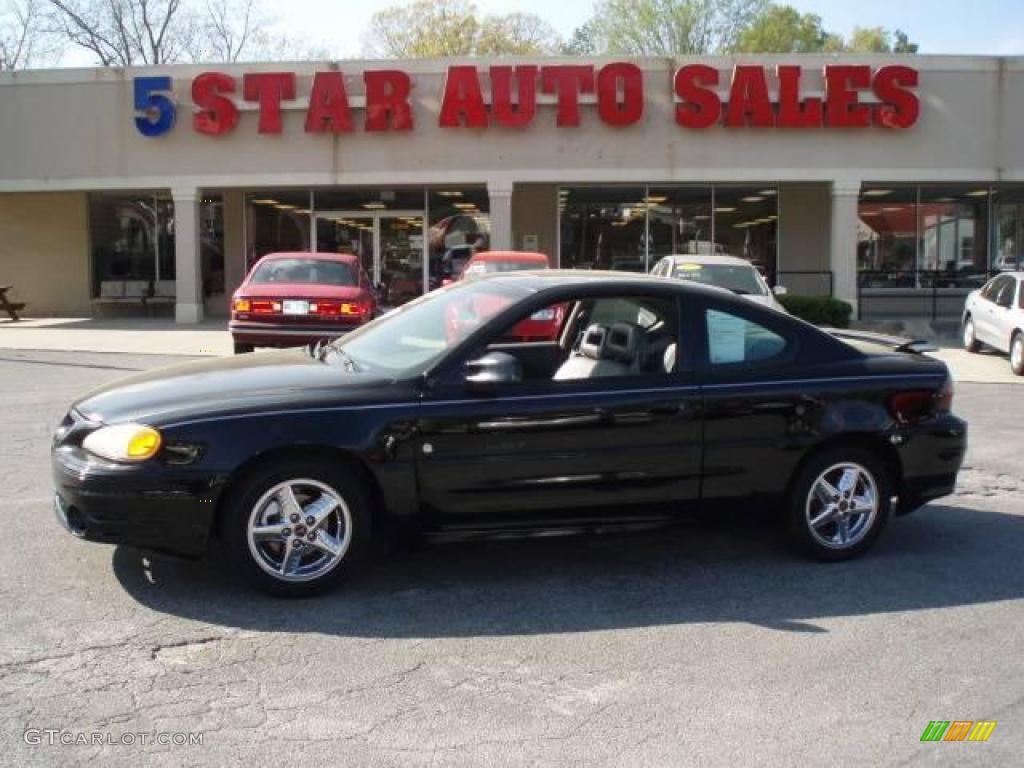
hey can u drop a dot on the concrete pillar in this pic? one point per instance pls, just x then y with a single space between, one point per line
500 194
188 305
843 245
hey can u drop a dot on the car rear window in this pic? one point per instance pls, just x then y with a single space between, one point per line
737 278
298 270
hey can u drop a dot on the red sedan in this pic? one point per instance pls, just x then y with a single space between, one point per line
292 299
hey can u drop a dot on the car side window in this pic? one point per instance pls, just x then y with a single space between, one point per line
735 339
1004 295
1020 294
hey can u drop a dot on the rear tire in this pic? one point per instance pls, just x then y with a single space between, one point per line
1017 353
241 349
970 339
299 550
839 503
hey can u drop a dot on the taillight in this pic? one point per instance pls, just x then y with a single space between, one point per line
914 405
337 308
944 397
265 306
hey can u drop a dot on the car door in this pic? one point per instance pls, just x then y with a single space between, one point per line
986 319
1003 315
750 403
570 448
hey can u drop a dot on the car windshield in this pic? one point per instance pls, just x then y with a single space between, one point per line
408 340
299 270
738 278
478 268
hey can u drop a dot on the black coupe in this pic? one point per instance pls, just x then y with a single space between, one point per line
656 397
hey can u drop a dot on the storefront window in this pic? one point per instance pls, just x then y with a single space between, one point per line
680 221
460 226
603 228
887 236
132 237
746 223
1007 250
632 227
923 236
276 220
211 238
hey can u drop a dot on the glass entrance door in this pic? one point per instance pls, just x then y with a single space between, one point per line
401 257
390 247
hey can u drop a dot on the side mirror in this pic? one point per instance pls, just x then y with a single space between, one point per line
492 370
780 290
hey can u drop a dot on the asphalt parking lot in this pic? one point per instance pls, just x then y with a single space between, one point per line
707 644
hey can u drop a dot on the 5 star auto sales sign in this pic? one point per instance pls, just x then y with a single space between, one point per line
504 96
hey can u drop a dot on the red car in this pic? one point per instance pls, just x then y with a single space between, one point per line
540 326
292 299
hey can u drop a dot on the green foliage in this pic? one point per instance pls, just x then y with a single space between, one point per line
819 310
435 28
782 29
668 27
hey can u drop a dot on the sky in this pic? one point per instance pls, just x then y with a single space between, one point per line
939 26
994 27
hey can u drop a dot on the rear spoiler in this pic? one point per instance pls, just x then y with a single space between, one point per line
897 343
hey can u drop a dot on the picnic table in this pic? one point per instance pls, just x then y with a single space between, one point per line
10 307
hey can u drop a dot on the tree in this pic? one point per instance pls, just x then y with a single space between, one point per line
902 43
516 34
126 32
782 29
423 29
227 30
869 40
669 27
584 40
432 28
23 39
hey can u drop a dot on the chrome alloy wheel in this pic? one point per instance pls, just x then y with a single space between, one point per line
299 530
842 505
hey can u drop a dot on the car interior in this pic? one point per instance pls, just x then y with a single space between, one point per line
602 338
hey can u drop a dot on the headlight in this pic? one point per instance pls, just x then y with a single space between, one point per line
123 442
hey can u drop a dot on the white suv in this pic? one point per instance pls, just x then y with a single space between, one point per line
994 316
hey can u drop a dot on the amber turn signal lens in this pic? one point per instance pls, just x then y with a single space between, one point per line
241 305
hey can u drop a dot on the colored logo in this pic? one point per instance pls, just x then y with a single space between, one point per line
958 730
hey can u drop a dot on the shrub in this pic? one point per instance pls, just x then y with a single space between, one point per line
819 310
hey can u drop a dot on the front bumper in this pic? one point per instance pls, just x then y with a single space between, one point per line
149 506
286 334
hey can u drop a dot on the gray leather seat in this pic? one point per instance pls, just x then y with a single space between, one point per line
615 350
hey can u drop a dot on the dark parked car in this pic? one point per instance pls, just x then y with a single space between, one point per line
293 299
657 397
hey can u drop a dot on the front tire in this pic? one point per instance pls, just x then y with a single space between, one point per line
295 527
971 343
1017 353
838 504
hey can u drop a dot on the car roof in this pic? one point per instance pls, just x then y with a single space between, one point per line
346 258
510 256
694 259
540 280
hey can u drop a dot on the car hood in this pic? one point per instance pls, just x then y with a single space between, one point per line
223 386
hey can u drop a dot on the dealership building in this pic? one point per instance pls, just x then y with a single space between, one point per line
895 183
